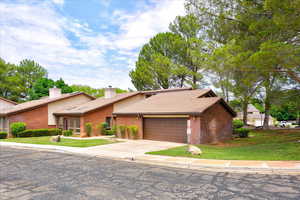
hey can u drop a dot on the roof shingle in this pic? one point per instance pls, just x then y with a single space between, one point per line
182 102
37 103
95 104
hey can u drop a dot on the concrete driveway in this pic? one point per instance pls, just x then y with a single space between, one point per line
129 148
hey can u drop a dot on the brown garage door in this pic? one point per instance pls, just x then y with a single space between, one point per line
165 129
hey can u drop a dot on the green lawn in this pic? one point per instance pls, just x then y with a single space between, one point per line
261 145
63 142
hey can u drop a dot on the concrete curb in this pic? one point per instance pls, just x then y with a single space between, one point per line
182 163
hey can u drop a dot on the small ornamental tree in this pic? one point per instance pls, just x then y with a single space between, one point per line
88 129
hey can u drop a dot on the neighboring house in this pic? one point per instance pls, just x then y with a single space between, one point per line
5 104
170 116
38 114
255 117
100 110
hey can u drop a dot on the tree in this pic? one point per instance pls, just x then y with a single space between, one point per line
194 53
9 81
156 63
41 87
29 71
268 29
93 91
60 83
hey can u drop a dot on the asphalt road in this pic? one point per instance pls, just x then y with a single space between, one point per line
31 174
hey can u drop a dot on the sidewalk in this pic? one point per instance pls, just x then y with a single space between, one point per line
110 151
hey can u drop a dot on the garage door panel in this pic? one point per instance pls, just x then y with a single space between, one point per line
165 129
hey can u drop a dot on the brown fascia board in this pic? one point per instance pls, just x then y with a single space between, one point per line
166 90
9 101
43 104
161 113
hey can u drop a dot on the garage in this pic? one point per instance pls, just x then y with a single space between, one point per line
165 129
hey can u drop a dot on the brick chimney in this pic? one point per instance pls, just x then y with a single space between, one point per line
109 92
54 92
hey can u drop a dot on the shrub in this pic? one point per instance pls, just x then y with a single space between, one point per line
3 135
237 123
88 128
67 132
112 131
122 129
40 132
133 130
103 128
242 132
17 127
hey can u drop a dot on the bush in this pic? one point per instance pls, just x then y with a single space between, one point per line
242 132
133 130
40 132
103 128
67 132
237 123
112 131
122 129
88 129
17 127
3 135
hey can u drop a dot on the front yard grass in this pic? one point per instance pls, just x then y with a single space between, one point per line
261 145
63 141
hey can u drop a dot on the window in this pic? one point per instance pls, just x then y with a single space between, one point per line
73 124
108 121
3 124
61 122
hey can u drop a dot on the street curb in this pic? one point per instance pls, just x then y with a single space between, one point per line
186 165
284 171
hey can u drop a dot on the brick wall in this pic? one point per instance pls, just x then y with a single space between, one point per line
95 117
196 130
216 125
34 119
131 120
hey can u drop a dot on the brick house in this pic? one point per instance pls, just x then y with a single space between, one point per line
170 116
100 110
5 104
255 117
38 114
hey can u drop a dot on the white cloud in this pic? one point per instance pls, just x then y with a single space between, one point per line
37 31
58 2
137 28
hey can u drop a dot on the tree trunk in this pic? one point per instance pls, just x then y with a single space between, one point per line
245 112
181 82
267 110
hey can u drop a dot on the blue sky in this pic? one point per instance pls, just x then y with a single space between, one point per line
90 42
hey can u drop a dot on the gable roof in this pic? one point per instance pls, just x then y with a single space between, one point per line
191 102
95 104
166 90
38 103
9 101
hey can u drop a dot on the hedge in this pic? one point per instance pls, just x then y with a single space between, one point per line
242 132
237 123
3 135
67 132
40 132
